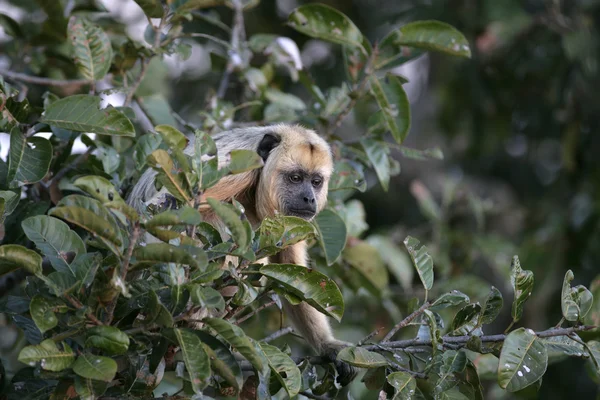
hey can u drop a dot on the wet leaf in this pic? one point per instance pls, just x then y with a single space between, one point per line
491 307
107 338
421 260
404 385
394 105
95 367
450 299
49 355
523 360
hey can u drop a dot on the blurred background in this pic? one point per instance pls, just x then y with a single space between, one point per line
517 124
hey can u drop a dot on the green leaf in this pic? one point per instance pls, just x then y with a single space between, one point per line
47 353
421 260
398 261
29 158
323 22
13 256
368 262
172 137
222 361
492 306
95 367
452 362
10 201
284 368
152 8
522 283
87 219
145 145
13 111
205 296
523 360
55 239
584 299
362 358
310 285
99 188
466 319
156 312
378 155
195 358
89 389
570 309
332 234
347 176
278 232
191 5
232 218
161 162
236 337
404 385
82 113
92 51
433 35
107 338
157 253
10 26
450 299
243 161
182 216
284 100
393 101
42 312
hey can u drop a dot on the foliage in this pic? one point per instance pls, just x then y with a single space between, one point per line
104 314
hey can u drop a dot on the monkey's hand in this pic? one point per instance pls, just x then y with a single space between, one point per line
346 372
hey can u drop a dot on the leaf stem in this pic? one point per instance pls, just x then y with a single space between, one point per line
253 313
77 304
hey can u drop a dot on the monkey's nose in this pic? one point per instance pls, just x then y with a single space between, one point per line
309 200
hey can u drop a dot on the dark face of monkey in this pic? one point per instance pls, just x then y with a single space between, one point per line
301 192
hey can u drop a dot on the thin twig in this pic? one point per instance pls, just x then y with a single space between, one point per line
77 304
406 321
369 337
238 35
278 334
60 174
43 81
402 369
253 313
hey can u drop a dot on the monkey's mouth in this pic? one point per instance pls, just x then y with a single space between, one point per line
301 213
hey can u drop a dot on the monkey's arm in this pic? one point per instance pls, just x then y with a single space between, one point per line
312 324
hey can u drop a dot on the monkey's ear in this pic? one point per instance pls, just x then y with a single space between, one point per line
267 143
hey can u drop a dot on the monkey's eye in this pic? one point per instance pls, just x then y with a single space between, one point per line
295 178
317 182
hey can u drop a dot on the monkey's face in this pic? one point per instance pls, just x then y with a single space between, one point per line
303 193
295 177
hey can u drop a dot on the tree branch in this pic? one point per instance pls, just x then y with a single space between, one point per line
77 304
44 81
406 321
461 340
278 334
251 314
238 36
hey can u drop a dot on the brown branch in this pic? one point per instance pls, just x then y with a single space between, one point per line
60 174
77 304
253 313
44 81
406 321
138 81
461 340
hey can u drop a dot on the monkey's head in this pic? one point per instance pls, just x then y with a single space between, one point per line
295 177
